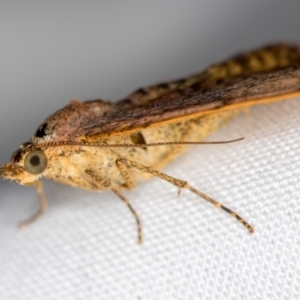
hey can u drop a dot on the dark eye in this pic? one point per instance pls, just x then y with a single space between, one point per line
35 162
16 156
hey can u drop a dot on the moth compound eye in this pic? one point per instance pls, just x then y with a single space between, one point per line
35 162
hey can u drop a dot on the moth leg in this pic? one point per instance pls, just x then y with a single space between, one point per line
130 183
38 185
99 181
184 184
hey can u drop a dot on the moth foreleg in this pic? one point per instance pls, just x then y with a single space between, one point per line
184 184
130 182
101 182
38 185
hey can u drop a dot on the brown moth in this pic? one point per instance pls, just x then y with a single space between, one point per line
99 145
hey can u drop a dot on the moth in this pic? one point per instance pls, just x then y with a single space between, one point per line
100 145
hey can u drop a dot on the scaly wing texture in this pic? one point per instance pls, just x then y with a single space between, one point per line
268 74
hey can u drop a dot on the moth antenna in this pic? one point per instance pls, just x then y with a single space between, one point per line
57 144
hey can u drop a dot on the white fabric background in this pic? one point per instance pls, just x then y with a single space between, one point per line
85 246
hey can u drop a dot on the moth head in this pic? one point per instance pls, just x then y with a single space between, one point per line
26 165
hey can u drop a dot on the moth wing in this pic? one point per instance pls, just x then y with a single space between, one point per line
263 75
268 74
233 93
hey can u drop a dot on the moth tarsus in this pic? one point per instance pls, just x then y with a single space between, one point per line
99 145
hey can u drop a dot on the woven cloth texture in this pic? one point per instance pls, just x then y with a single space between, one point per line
85 246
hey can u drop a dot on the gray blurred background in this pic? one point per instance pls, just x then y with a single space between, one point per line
52 51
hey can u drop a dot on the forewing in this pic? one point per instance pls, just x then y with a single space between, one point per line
264 75
231 93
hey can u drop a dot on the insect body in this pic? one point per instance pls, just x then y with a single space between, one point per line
99 145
